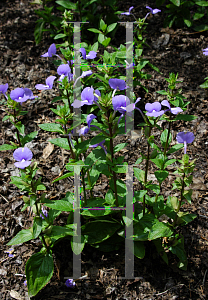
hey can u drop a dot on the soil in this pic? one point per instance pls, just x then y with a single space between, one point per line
172 50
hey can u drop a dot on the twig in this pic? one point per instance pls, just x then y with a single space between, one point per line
181 284
4 198
204 277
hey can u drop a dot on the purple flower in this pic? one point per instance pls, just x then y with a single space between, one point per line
51 51
3 89
22 95
23 156
129 12
85 130
84 74
25 283
153 11
49 84
117 84
186 138
120 103
45 212
205 51
64 70
87 97
154 109
132 106
174 110
10 251
91 54
99 144
70 283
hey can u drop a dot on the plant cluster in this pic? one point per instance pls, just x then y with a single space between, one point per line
191 13
109 112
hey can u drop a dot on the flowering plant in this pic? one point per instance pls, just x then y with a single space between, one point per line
104 219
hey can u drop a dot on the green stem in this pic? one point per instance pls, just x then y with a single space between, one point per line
146 169
180 201
70 107
17 131
157 194
166 144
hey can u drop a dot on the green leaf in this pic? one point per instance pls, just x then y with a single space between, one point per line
119 147
39 270
58 232
162 92
102 25
154 67
94 30
111 27
65 204
59 36
161 175
179 251
61 142
186 117
78 247
106 42
175 148
100 209
186 217
67 4
187 195
52 127
138 195
140 174
20 127
204 85
142 64
160 250
97 139
164 137
99 231
29 137
37 226
176 2
71 174
139 249
154 187
23 236
202 3
109 197
6 147
159 230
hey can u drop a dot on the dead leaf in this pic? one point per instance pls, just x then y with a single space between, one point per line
48 150
15 295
